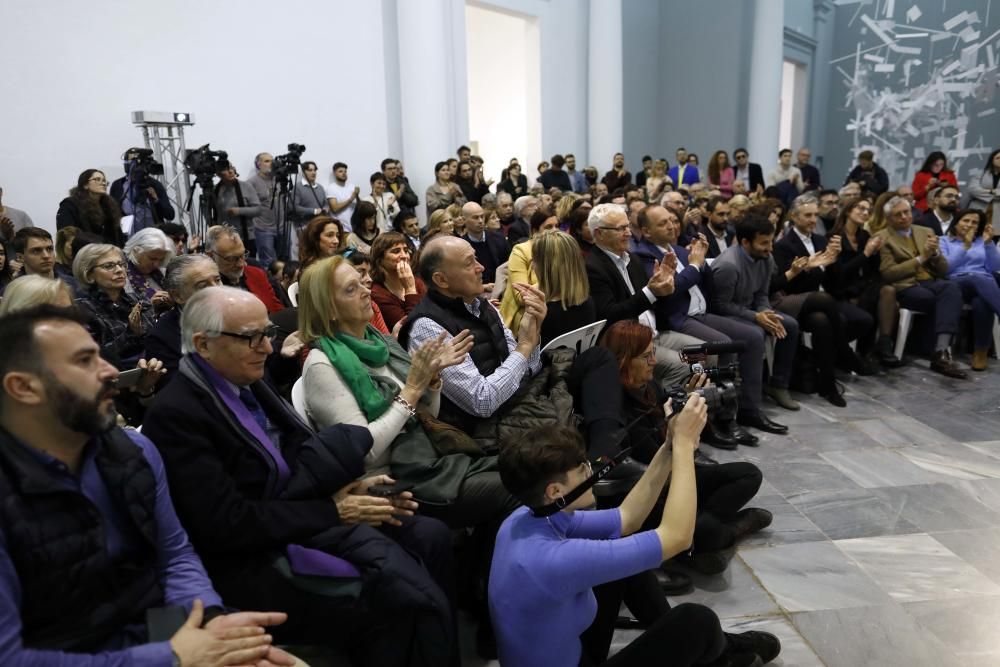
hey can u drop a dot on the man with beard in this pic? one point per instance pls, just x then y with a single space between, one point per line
618 177
940 217
117 584
719 236
829 209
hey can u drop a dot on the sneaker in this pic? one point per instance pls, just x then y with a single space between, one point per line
763 644
751 520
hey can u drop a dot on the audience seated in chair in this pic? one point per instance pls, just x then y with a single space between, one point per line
491 249
911 261
128 555
146 251
394 288
281 515
520 270
741 279
973 261
562 277
224 245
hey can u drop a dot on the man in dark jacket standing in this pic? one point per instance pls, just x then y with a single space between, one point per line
555 177
866 173
67 472
399 185
278 511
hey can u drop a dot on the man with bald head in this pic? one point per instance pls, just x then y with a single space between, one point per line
274 508
490 247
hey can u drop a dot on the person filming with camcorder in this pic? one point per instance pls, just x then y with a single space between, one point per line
559 572
139 194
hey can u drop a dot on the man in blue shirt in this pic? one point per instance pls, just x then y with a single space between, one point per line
90 546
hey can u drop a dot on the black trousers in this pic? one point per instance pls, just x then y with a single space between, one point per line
594 382
833 324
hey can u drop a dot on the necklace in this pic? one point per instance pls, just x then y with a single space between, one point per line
554 530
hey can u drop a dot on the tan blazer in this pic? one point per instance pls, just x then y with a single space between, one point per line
899 264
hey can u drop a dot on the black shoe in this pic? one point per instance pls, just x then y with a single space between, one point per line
703 459
741 435
853 362
764 644
629 623
761 423
835 395
673 582
710 562
886 355
751 520
714 437
943 364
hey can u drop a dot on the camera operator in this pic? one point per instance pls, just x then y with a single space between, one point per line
310 201
139 194
265 225
549 556
236 203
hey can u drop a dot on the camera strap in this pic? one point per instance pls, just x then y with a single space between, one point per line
606 466
241 203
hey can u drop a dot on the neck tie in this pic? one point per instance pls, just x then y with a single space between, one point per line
257 412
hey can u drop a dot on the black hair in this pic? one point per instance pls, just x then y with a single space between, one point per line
647 158
307 164
932 158
545 455
752 226
438 167
363 211
558 161
339 165
173 230
827 193
22 235
376 176
461 148
784 150
989 161
740 150
980 224
402 217
713 203
18 346
387 162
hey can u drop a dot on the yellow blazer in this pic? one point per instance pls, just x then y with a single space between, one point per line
898 264
519 270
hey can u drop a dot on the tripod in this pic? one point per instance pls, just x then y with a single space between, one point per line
282 204
205 217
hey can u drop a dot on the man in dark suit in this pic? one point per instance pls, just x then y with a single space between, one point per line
621 290
718 234
686 310
749 172
941 216
280 513
810 174
491 248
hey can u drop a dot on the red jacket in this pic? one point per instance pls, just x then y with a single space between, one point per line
920 185
256 282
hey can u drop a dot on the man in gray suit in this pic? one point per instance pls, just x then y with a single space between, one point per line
741 277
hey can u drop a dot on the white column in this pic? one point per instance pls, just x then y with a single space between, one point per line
605 117
766 56
433 93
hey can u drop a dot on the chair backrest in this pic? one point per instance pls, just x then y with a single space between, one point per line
499 282
293 294
580 339
299 400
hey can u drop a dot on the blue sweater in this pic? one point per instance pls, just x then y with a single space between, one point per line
542 575
979 258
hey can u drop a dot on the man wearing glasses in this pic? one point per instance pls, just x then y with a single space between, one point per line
911 262
749 173
621 290
224 245
275 508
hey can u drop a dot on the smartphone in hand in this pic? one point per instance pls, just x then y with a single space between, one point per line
386 490
129 379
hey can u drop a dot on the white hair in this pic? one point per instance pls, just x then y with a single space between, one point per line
803 200
522 203
504 196
600 213
216 233
893 203
148 240
205 313
174 276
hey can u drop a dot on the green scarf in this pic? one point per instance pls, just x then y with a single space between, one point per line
353 357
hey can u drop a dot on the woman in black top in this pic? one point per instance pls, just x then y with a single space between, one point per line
516 183
472 186
91 210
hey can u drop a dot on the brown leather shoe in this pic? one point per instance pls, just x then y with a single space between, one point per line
979 359
944 365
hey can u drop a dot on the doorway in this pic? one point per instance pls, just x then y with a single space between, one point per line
794 100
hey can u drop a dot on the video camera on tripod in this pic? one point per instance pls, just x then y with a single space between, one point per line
288 164
205 163
144 168
725 389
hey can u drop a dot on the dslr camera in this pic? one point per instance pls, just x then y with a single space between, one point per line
288 164
145 166
202 162
723 396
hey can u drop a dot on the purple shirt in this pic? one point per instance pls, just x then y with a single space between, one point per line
542 575
181 573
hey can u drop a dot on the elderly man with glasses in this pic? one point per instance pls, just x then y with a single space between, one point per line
224 245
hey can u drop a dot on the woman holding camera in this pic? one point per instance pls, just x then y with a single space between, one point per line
551 554
723 488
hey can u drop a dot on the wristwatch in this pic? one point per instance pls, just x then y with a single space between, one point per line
176 660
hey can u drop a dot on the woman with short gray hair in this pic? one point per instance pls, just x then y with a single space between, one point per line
146 251
118 321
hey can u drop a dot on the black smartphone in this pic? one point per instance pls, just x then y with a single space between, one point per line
386 490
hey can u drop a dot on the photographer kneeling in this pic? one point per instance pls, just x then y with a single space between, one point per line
549 556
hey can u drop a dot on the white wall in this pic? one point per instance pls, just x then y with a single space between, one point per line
255 73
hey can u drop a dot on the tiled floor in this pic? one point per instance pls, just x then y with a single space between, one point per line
885 546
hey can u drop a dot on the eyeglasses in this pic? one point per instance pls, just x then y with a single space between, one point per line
617 230
98 179
233 259
111 266
254 338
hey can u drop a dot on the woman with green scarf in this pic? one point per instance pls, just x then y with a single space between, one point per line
356 375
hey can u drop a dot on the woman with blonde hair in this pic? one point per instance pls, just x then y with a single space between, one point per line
30 291
657 184
458 220
562 277
520 272
877 221
440 221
